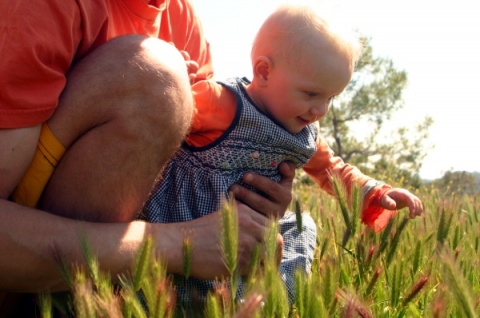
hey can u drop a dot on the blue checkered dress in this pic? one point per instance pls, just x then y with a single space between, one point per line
197 179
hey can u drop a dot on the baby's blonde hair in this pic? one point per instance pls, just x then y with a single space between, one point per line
292 26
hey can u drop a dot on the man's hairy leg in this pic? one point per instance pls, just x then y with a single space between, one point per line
125 110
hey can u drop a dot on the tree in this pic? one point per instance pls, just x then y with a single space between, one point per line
369 101
457 183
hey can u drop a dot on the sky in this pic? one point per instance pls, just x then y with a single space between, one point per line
437 43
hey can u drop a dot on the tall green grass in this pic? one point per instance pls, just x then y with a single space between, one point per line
427 267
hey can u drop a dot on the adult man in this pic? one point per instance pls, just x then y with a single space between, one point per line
115 107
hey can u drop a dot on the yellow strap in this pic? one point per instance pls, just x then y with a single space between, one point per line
47 155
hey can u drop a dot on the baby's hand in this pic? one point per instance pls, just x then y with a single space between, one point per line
398 198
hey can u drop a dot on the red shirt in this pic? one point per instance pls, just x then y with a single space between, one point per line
40 40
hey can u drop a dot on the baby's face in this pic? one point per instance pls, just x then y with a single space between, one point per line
300 90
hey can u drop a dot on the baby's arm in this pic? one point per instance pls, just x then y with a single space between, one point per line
380 200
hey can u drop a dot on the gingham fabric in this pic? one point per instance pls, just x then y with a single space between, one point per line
197 178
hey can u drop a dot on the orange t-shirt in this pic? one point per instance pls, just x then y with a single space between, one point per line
215 110
40 40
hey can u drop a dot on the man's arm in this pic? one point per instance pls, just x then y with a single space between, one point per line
17 147
34 239
30 239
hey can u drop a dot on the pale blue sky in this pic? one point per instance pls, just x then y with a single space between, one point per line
436 42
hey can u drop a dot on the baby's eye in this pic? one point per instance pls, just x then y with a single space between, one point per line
311 94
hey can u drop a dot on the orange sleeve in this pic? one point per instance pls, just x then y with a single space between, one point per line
323 165
215 108
182 26
373 214
37 46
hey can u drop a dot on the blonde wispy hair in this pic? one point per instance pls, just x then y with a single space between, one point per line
293 25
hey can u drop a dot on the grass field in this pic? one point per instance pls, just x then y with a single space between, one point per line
426 267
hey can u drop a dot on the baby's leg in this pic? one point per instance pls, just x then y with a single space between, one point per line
298 249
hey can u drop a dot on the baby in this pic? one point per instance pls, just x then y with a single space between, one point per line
299 65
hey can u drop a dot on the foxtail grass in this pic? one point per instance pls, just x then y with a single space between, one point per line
457 284
187 257
229 243
298 215
276 300
213 306
427 267
444 225
45 305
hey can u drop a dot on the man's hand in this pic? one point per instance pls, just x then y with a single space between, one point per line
205 235
254 217
279 195
192 66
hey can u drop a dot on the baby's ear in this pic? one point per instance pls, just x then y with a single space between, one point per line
262 67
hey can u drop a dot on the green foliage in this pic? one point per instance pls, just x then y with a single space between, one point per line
229 243
457 183
229 236
425 267
457 283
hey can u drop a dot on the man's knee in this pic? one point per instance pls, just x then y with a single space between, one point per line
130 96
158 100
139 81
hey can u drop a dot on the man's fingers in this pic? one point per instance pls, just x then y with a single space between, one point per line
185 55
278 195
257 202
275 191
287 170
